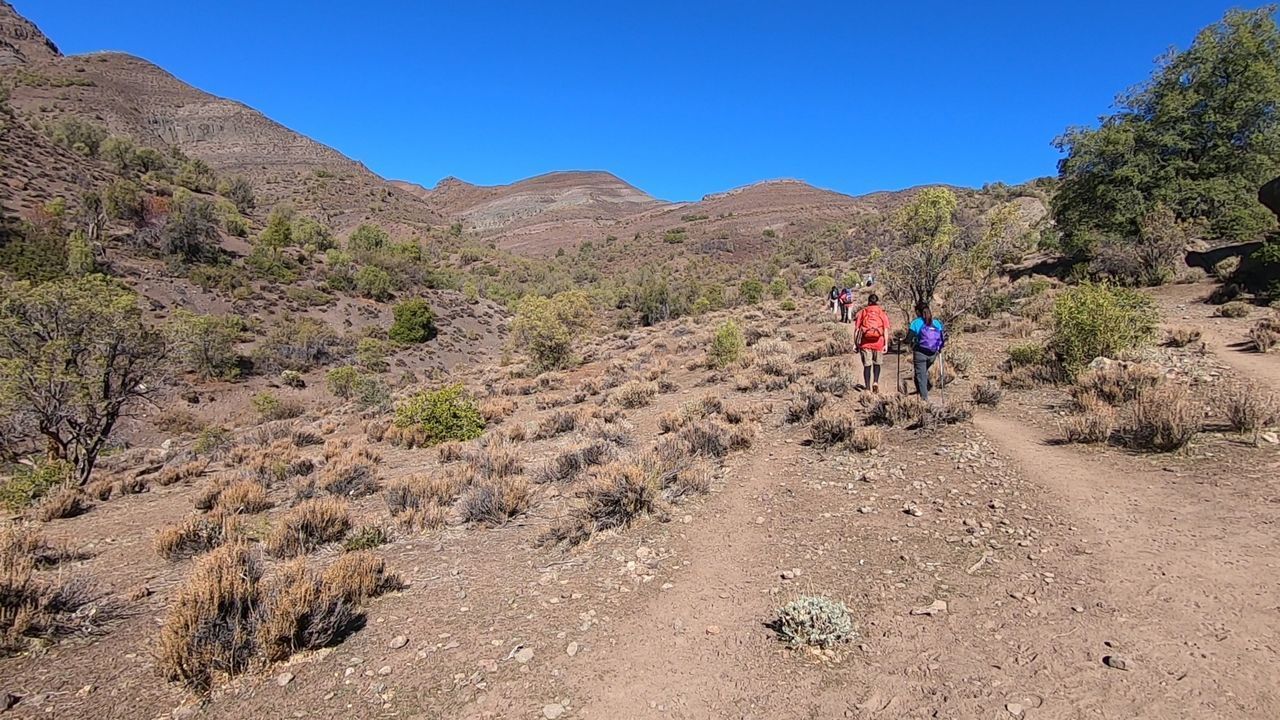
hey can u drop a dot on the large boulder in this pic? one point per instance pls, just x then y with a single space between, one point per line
1269 195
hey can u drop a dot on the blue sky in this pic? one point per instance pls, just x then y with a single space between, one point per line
681 99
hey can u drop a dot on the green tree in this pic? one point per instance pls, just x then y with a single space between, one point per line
928 235
75 357
374 283
545 328
122 200
191 230
413 322
206 344
196 176
120 152
751 291
1200 136
279 230
80 260
310 233
368 238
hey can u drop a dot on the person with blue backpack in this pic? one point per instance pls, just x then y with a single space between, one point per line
926 338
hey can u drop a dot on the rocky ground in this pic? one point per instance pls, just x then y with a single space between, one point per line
992 572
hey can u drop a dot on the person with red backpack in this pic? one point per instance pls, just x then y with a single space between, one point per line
926 337
871 335
846 304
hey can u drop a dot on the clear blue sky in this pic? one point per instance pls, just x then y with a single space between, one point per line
679 98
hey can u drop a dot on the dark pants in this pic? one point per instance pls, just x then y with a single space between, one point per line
844 312
923 361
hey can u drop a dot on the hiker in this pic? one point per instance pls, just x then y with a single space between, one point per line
833 300
926 338
846 304
871 335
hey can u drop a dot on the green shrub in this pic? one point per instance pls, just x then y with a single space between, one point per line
28 484
778 288
368 238
122 200
270 407
814 621
279 230
414 322
311 234
206 344
820 285
239 191
77 135
371 354
350 383
788 305
1235 309
299 343
1024 354
441 415
751 292
308 296
727 346
374 283
1098 320
367 537
196 176
212 440
544 328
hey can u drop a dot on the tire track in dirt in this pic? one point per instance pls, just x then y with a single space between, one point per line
1185 569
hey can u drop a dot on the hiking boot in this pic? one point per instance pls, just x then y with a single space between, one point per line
875 388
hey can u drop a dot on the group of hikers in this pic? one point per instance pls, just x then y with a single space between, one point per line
871 333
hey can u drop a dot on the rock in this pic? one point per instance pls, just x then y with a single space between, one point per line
398 642
86 691
1115 662
523 655
284 678
572 649
1015 709
384 670
934 608
552 711
8 700
1271 437
713 629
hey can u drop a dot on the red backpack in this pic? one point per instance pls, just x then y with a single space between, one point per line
872 333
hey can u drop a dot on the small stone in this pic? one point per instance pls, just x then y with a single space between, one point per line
552 711
1271 437
85 691
284 678
934 608
713 629
788 575
398 642
572 649
865 509
523 655
1115 662
1015 709
1077 608
384 670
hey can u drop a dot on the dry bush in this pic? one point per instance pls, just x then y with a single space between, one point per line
705 438
948 414
635 394
350 478
428 517
100 489
1117 383
1021 328
568 465
195 535
671 421
179 422
1233 309
1026 377
589 387
895 410
839 342
243 497
133 485
298 612
1092 424
418 492
492 501
450 451
360 575
1265 335
1249 408
807 402
66 502
840 381
941 375
1181 337
269 432
495 410
1162 419
35 608
210 630
309 525
618 434
306 438
831 428
207 497
987 393
618 495
556 423
517 433
774 358
866 438
375 430
19 544
336 447
549 402
497 458
742 437
178 473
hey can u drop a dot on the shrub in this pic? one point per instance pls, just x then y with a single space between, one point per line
1117 382
1162 419
568 465
210 628
357 576
1249 408
177 473
1093 320
1092 424
374 283
300 343
751 291
1027 354
987 393
866 438
635 394
557 423
839 343
311 524
805 405
66 502
298 612
191 229
243 497
270 407
727 346
494 501
366 538
832 428
619 494
814 621
895 410
350 383
205 344
414 322
349 477
35 609
368 238
545 328
1265 335
195 535
28 484
1232 310
1181 337
1226 268
432 417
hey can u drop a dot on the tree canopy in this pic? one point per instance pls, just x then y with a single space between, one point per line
1199 137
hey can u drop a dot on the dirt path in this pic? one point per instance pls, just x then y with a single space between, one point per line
1184 576
1183 306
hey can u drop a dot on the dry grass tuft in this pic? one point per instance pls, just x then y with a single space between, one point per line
133 485
1249 408
34 608
210 630
66 502
556 423
1265 335
350 478
495 410
298 611
1092 424
619 494
1162 419
185 471
243 497
1117 383
569 465
492 501
419 492
635 394
308 526
987 393
1181 337
496 458
806 404
358 576
895 410
195 535
832 428
450 451
100 489
866 438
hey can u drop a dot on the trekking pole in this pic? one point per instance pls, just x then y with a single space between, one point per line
942 380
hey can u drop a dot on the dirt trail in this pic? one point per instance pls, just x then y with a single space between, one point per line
1183 569
1224 337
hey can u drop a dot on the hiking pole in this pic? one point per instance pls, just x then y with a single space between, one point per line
942 379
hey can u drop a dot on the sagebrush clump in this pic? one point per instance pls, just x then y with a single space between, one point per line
814 621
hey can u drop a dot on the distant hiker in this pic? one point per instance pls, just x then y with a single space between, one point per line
871 279
833 300
926 338
871 334
846 304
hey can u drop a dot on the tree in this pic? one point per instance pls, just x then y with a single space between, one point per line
279 230
545 328
80 260
191 230
367 238
927 232
123 201
310 233
1149 258
239 191
206 344
75 357
1200 136
414 322
196 176
120 152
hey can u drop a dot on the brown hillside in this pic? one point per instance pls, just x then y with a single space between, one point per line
20 40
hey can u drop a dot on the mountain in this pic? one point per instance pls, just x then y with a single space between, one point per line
20 40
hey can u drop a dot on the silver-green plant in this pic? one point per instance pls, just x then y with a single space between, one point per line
815 621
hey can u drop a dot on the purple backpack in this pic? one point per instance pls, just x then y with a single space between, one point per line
930 338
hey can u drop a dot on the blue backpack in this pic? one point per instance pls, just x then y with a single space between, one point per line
930 338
